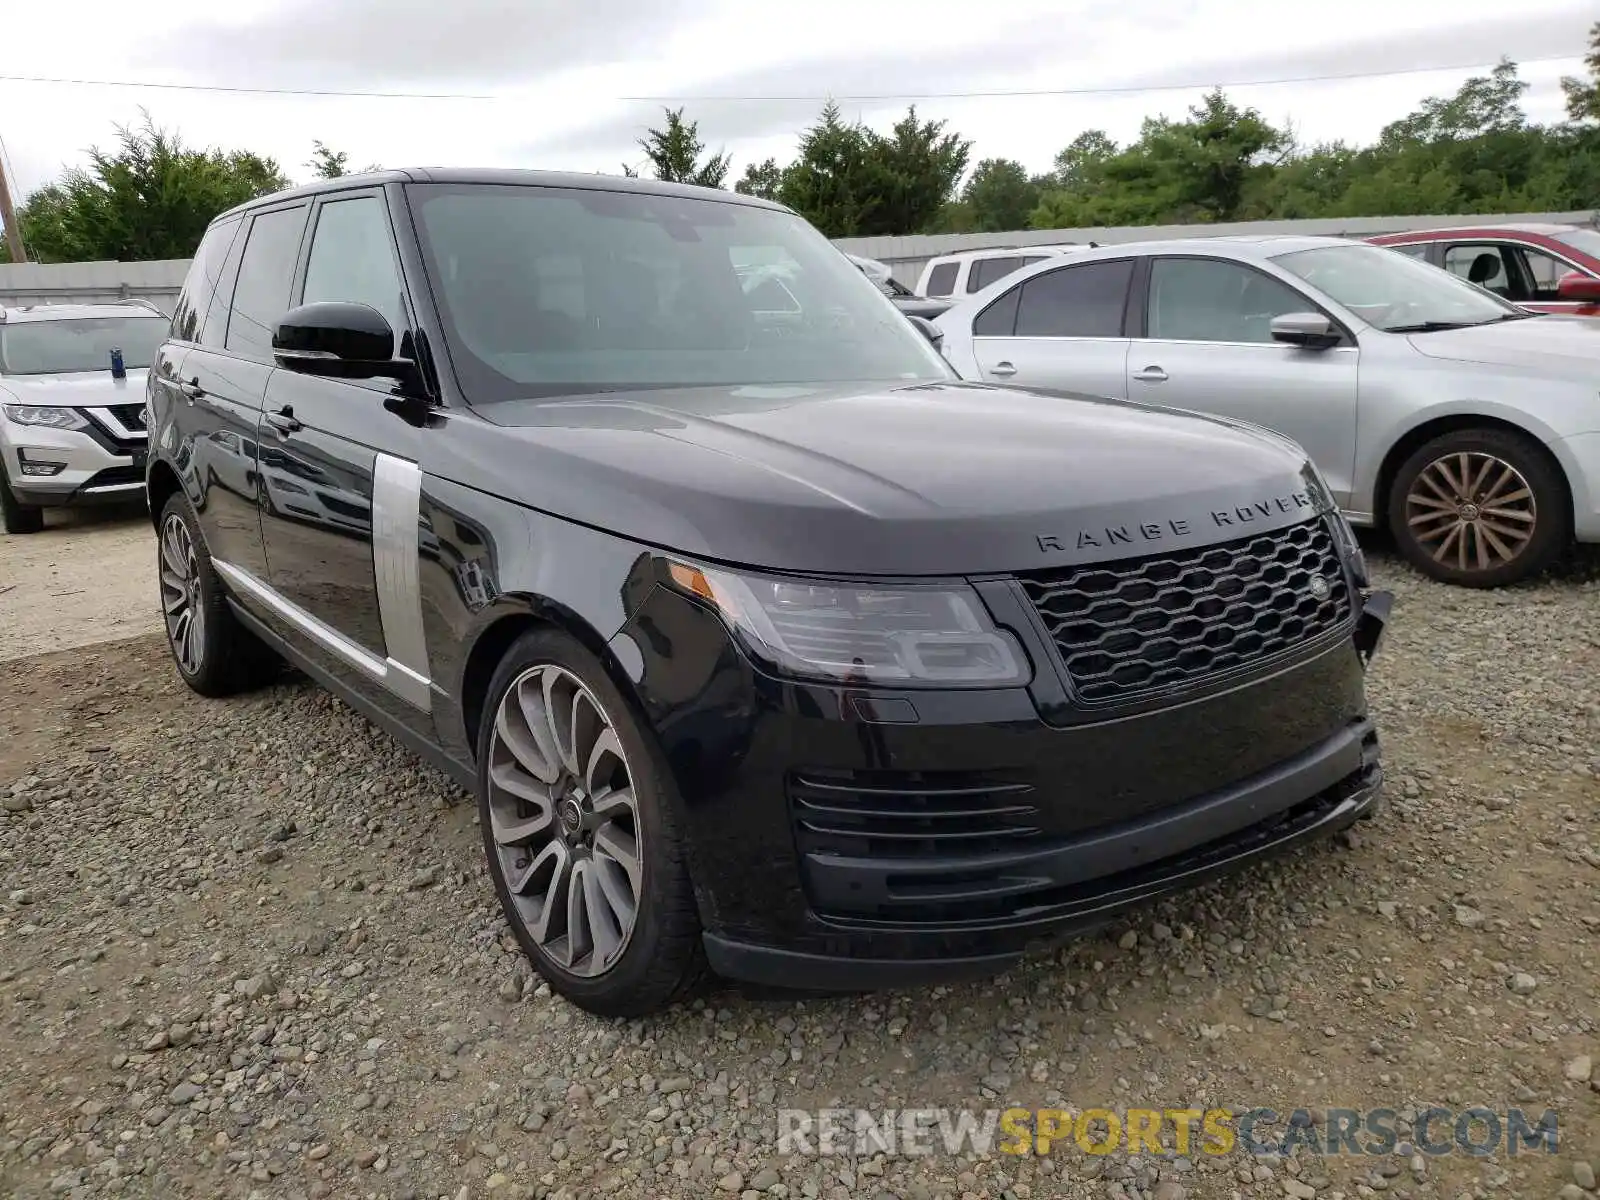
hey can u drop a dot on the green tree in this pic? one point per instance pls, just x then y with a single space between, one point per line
1583 95
674 153
764 180
999 195
827 184
852 182
325 163
150 198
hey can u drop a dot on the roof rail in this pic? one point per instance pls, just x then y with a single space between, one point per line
140 301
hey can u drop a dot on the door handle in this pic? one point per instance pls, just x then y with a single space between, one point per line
192 389
1003 368
283 420
1151 375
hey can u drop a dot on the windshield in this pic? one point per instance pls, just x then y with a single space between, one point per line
1586 240
1394 292
81 344
558 291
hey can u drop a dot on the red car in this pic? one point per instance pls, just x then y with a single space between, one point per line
1545 268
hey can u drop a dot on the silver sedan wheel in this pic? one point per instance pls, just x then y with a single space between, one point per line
565 820
181 601
1472 510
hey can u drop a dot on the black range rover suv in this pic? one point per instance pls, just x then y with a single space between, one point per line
765 642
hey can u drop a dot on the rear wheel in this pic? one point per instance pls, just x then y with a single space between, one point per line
582 839
18 517
215 655
1480 508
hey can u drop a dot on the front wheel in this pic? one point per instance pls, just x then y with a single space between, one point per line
17 516
1480 508
581 833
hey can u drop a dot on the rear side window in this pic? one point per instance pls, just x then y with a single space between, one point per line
200 284
942 279
1000 318
1081 301
261 296
986 270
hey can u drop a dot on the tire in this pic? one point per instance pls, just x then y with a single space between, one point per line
545 836
1513 521
18 517
220 657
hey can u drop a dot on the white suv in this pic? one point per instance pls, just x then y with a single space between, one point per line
963 272
72 427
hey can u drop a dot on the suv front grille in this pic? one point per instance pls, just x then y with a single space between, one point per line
1126 629
131 415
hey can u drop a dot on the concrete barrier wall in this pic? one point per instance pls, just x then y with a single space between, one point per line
160 281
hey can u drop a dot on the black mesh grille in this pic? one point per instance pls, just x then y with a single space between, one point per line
1129 628
131 415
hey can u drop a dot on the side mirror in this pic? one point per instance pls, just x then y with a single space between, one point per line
1309 330
928 330
339 340
1575 285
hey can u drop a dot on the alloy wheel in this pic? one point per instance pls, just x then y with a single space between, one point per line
565 820
181 599
1472 510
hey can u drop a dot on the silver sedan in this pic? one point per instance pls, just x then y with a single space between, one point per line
1466 425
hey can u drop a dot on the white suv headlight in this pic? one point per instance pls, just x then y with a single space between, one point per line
45 417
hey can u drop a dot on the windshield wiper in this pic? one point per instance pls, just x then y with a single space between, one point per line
1427 326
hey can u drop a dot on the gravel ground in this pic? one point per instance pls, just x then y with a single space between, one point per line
248 948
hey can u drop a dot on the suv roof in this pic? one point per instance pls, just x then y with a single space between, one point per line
74 312
593 181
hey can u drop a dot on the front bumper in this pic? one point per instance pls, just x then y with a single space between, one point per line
103 466
845 839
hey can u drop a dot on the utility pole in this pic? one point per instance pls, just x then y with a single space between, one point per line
8 218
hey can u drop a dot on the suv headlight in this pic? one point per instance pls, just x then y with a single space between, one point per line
1353 553
938 635
47 418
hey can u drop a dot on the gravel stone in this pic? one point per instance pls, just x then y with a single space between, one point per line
183 1024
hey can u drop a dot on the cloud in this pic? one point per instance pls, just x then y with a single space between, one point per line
467 44
783 99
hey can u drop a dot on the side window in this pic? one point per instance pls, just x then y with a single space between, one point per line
352 259
1081 301
1000 318
1209 300
1543 271
985 271
1481 263
942 279
200 284
262 294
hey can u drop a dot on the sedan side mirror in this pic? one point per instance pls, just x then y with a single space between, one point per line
1575 285
339 340
1309 330
928 330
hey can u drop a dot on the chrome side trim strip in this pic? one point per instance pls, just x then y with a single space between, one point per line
402 682
107 489
396 508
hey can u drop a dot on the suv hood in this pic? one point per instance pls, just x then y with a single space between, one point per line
1553 342
929 479
77 389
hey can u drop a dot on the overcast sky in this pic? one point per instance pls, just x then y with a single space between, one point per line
570 82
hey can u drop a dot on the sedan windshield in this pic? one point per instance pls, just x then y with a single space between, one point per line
1394 292
558 291
1586 240
83 344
